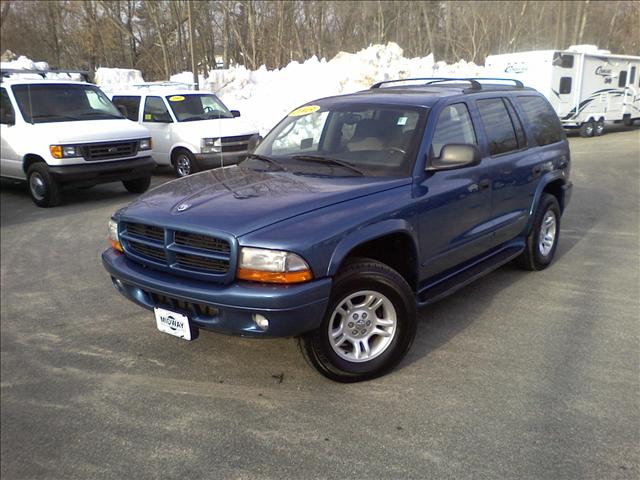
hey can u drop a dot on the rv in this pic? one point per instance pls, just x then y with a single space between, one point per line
586 86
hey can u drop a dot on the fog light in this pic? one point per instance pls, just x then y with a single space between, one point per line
260 321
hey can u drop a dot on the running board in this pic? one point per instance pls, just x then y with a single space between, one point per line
449 284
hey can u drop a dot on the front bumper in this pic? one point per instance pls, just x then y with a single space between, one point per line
290 309
215 160
104 172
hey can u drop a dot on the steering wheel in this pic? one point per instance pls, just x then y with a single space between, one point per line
395 150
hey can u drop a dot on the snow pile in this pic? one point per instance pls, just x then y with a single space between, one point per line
265 96
24 63
112 79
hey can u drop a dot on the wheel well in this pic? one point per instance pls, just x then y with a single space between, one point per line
30 159
555 189
396 250
175 151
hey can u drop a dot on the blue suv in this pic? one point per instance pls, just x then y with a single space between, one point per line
350 214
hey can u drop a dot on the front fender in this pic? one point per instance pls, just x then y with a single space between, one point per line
366 234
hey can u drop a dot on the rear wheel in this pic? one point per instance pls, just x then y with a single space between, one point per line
184 163
137 185
369 325
543 239
587 129
599 127
43 189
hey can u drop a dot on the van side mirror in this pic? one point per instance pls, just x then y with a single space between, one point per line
455 155
235 113
8 117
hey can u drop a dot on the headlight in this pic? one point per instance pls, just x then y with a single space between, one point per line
145 144
272 266
114 239
211 145
64 151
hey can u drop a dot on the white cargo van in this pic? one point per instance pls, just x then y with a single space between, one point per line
61 132
586 86
191 130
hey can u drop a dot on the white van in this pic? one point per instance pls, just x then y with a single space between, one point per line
191 130
60 132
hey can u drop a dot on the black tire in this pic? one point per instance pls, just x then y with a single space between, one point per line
587 129
362 274
137 185
43 189
627 121
598 128
533 258
184 163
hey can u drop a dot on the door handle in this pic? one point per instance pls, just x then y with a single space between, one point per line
486 183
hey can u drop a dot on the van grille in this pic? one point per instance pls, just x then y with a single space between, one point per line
105 151
177 251
238 143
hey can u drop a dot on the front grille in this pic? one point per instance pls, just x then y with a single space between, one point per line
238 143
105 151
204 242
184 253
147 251
200 309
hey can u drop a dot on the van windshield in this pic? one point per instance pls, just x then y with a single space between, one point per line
63 102
191 107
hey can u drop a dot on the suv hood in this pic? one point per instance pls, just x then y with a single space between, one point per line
87 131
236 200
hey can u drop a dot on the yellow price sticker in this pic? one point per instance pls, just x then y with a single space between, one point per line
176 98
148 116
306 110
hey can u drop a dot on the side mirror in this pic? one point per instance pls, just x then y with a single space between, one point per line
455 155
254 141
235 113
8 118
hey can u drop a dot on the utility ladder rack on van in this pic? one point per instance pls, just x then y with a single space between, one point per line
7 72
476 83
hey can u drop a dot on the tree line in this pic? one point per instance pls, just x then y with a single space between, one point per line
155 36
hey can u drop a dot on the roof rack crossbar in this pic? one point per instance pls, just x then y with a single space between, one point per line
475 82
6 72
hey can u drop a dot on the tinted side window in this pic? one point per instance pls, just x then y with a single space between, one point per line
565 85
517 125
544 122
497 125
130 104
7 114
622 79
155 110
454 126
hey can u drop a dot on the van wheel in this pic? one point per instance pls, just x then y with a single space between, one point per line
587 129
137 185
184 163
543 240
368 327
599 127
43 189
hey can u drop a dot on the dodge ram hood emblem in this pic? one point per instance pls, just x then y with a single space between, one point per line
182 207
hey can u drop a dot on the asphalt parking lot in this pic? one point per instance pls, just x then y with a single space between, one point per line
520 375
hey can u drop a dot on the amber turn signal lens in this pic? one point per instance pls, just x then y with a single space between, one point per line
116 245
274 277
56 151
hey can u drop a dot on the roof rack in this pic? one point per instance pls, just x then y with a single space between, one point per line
7 72
475 82
163 84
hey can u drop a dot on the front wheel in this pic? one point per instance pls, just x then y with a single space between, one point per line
369 325
137 185
543 240
184 163
43 189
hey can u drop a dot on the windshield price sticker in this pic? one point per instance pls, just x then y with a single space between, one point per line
306 110
176 98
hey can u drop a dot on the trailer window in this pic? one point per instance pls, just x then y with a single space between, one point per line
564 61
565 85
498 126
622 79
543 120
632 75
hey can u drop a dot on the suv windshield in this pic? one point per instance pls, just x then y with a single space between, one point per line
347 140
189 108
63 102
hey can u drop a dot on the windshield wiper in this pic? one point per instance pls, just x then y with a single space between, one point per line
100 114
269 160
330 161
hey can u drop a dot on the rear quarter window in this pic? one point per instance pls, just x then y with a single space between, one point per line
542 119
131 105
497 125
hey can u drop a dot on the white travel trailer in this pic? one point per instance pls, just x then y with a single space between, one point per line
586 86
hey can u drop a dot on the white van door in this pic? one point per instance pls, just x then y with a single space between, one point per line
158 120
10 159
